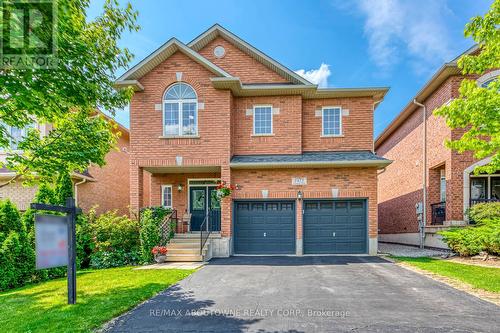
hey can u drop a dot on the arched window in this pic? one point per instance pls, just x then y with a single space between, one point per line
486 83
180 111
486 79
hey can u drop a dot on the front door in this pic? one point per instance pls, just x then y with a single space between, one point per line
202 201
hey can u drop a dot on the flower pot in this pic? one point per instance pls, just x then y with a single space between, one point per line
160 258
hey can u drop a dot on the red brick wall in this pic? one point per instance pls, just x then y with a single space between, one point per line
351 182
357 127
287 126
239 64
397 198
111 189
225 129
179 199
146 122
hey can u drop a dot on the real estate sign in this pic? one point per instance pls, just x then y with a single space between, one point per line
51 241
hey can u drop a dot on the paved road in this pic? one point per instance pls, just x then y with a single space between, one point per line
310 294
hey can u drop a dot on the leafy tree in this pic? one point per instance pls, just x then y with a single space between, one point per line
477 110
67 96
64 188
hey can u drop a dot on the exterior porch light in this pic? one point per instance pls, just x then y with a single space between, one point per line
180 187
299 195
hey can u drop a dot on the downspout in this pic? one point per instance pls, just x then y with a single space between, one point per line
76 190
424 175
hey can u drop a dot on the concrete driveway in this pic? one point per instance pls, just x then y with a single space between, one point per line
310 294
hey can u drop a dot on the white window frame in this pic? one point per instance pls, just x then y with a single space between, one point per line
24 132
179 102
487 77
323 121
272 125
442 180
163 187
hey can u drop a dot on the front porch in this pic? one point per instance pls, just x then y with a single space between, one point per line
477 189
197 212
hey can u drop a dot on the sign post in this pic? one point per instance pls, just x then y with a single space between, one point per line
50 242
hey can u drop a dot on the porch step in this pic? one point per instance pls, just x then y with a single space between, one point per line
186 247
184 257
186 240
195 235
188 235
183 245
186 250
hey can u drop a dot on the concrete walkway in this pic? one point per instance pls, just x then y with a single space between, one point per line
409 251
309 294
174 265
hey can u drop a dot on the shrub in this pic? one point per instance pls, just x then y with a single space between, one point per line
464 241
471 240
17 256
484 211
151 219
10 219
64 188
115 238
107 259
45 194
84 243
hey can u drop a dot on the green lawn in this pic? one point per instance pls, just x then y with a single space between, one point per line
101 296
485 278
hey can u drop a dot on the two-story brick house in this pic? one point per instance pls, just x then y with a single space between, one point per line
301 158
102 188
414 145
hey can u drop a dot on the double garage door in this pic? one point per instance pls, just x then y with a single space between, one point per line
329 227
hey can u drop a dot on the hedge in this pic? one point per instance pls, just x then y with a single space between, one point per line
484 236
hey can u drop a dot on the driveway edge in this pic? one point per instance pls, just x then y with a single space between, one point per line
488 296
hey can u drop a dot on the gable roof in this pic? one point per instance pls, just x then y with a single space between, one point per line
224 80
443 73
217 30
130 77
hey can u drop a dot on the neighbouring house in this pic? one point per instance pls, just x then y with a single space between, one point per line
301 158
451 185
106 188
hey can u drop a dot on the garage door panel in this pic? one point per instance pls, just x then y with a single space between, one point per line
335 226
264 227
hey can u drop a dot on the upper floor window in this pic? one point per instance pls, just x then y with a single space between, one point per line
332 121
16 135
180 111
262 120
486 79
486 83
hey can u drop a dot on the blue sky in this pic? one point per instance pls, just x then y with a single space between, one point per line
337 43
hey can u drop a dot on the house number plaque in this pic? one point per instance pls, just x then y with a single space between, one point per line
299 181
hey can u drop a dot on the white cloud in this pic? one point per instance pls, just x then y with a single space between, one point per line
317 76
398 28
